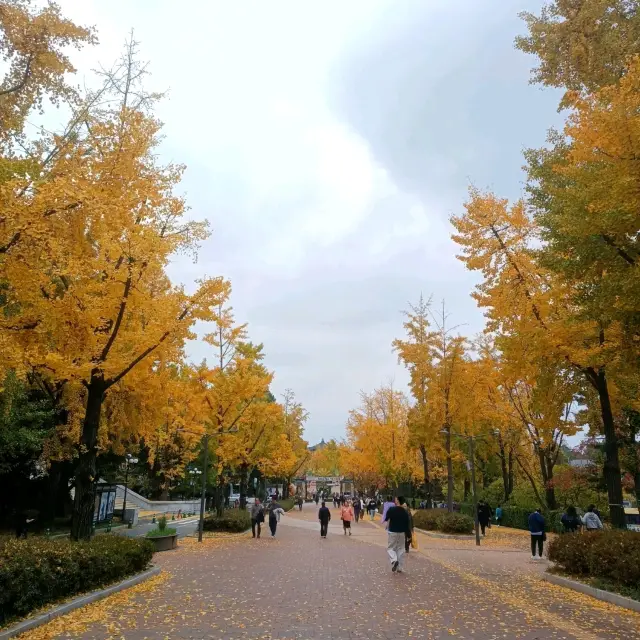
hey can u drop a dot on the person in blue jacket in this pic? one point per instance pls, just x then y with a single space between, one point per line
538 536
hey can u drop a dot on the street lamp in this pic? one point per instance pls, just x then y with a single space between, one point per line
128 459
203 496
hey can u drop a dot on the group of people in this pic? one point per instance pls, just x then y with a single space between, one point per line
274 511
396 516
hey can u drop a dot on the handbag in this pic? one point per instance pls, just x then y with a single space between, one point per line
414 540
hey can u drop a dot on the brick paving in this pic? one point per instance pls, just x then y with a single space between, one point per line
297 586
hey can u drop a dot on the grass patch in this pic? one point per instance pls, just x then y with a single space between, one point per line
159 533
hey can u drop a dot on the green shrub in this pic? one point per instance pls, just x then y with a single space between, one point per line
455 523
518 517
158 533
611 555
162 523
287 504
427 519
233 520
39 571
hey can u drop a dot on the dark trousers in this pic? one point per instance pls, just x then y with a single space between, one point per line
324 526
407 542
273 525
537 540
483 526
356 513
255 525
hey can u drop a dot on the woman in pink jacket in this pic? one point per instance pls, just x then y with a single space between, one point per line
346 515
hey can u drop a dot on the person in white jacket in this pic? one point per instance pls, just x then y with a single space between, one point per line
590 519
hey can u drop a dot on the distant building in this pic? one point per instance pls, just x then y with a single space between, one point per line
316 447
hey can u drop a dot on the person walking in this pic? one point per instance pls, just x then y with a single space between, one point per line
407 542
484 515
357 507
397 520
498 515
346 515
389 502
591 520
275 511
300 501
538 536
324 515
371 507
257 518
571 520
317 498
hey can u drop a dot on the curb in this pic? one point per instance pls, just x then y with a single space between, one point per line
598 594
444 536
76 603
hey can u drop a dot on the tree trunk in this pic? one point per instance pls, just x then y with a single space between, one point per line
611 470
510 477
636 481
505 471
285 488
83 507
243 486
427 479
447 445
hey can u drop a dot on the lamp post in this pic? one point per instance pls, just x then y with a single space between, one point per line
128 459
203 495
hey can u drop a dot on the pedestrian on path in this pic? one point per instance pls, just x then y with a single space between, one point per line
275 511
538 536
407 541
571 521
484 515
498 515
591 520
357 506
257 518
300 503
397 521
346 515
389 502
372 507
317 499
324 515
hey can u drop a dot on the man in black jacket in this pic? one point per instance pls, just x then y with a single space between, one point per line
324 515
398 528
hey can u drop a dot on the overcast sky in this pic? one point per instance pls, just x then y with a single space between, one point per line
328 143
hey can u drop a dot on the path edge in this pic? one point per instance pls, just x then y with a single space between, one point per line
77 603
598 594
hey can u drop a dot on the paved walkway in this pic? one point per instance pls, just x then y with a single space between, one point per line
300 586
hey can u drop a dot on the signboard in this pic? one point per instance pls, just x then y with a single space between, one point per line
105 502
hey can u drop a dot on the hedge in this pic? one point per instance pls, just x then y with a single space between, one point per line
38 571
518 518
611 555
427 519
233 520
442 520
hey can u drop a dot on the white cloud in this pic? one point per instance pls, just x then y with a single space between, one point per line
328 144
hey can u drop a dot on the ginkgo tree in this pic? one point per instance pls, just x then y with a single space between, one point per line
87 296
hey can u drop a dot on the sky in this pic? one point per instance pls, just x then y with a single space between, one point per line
328 144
